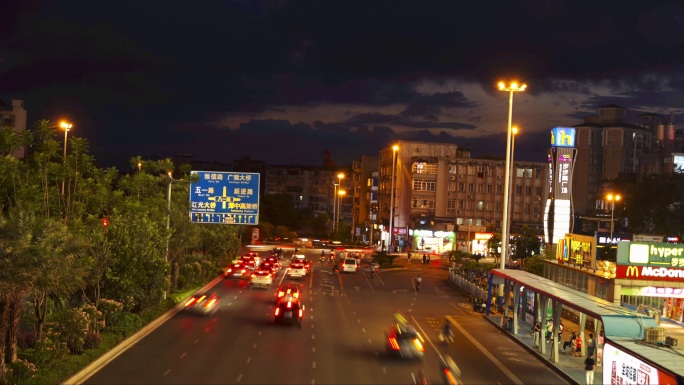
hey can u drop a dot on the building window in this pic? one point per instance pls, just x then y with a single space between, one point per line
423 204
460 205
471 187
490 189
424 168
516 207
499 189
452 185
480 188
518 190
528 208
499 207
528 190
461 186
424 185
451 204
537 191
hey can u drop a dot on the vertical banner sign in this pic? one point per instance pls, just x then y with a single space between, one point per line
558 214
225 197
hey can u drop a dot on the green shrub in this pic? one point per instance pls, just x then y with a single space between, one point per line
19 370
111 310
92 340
50 348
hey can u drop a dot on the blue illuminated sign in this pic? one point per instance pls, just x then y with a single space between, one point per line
563 137
225 197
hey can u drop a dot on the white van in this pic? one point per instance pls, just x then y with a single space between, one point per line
349 265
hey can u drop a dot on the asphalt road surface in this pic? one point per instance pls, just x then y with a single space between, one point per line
341 341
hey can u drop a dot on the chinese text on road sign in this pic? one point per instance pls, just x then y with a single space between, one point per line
225 197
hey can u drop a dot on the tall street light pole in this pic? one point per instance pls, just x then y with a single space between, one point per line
514 131
340 176
66 126
512 88
341 195
395 148
612 198
168 219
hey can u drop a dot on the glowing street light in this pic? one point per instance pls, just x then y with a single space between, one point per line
512 88
66 126
340 195
395 148
514 131
340 176
612 198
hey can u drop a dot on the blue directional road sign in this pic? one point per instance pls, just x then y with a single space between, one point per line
225 197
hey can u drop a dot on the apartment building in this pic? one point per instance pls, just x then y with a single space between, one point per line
440 192
14 116
365 197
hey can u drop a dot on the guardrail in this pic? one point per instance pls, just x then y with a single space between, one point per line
467 286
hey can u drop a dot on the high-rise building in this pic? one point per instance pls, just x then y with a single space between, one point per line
14 116
365 196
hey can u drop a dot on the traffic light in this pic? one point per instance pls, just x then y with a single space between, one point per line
105 222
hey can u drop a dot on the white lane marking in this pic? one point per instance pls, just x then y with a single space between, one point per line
358 321
230 303
236 296
363 330
254 346
384 370
313 349
166 373
239 377
183 355
312 326
195 342
313 365
313 381
313 337
369 341
249 359
486 352
259 333
311 317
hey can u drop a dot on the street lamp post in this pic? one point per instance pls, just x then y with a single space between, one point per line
168 219
66 126
340 195
512 88
514 131
612 198
395 148
340 176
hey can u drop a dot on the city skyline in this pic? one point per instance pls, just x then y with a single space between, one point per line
286 81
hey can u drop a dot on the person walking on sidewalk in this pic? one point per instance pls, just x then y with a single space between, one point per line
535 332
589 369
591 345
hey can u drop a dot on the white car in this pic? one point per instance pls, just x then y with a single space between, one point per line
296 270
350 265
261 278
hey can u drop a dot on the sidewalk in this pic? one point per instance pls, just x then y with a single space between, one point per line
572 368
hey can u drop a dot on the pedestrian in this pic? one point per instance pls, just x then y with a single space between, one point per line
447 335
589 368
428 260
424 259
549 330
560 333
577 347
591 345
535 331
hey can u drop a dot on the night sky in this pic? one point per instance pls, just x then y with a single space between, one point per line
283 81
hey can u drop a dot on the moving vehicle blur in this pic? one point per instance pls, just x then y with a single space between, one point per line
288 291
202 303
261 279
296 270
236 270
350 265
451 373
404 341
289 312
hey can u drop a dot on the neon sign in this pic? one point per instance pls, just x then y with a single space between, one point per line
563 137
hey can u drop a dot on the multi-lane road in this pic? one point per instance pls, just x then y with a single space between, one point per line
341 341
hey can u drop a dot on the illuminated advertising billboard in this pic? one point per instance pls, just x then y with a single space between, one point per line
563 137
622 368
650 261
558 213
577 249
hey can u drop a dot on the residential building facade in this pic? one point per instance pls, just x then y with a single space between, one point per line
14 116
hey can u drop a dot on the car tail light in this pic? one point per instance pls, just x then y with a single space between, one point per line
229 270
277 311
451 380
301 313
289 304
244 271
211 303
418 344
190 301
393 343
296 295
280 294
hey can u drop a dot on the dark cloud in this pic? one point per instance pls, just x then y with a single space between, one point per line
142 78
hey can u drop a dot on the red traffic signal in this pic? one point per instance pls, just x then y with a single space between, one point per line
105 222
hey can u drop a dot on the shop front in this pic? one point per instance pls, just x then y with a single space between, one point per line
650 277
432 242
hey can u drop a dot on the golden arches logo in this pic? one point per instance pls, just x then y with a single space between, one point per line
632 271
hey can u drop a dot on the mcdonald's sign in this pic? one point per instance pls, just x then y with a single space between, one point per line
632 271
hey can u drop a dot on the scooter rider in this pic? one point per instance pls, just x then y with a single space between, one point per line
418 282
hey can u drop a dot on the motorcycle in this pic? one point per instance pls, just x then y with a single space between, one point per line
451 373
479 305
